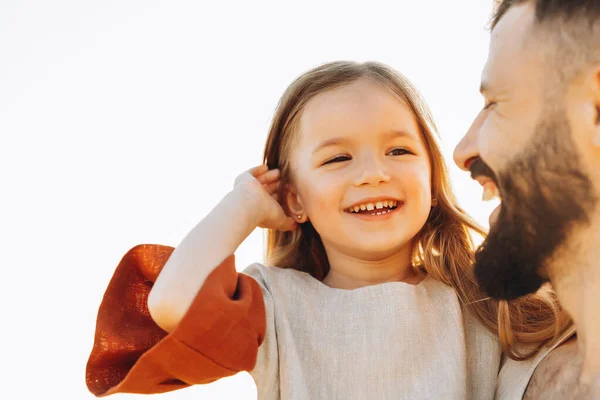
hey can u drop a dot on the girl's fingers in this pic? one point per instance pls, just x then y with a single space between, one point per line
252 173
269 176
259 170
271 188
288 224
261 173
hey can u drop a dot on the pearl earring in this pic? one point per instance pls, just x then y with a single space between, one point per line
299 216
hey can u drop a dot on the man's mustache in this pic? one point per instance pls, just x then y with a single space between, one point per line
479 168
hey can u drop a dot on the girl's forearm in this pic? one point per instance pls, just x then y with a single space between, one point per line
215 238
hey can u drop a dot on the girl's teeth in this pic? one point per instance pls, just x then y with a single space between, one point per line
385 207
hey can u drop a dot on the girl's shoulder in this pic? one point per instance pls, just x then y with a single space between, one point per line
270 277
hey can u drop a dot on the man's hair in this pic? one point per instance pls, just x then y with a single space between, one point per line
557 10
570 30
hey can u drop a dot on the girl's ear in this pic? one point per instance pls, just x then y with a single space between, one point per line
293 203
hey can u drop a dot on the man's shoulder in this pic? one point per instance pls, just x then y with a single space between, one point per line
556 376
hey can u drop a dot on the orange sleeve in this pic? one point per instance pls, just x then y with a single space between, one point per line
219 335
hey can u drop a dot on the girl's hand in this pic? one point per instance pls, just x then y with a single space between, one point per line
259 188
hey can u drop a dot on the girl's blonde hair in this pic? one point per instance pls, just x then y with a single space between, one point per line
444 247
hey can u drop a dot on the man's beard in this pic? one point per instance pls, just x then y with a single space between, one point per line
545 193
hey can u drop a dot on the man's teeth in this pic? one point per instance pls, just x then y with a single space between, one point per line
374 206
490 192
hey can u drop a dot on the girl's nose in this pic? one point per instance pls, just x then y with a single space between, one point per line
371 173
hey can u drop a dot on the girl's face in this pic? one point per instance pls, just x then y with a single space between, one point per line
360 171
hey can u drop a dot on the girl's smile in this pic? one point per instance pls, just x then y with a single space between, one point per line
376 209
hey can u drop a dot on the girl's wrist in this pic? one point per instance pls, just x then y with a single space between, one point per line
246 206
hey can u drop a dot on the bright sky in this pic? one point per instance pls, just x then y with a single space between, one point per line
124 122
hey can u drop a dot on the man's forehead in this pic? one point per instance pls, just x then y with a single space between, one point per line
508 48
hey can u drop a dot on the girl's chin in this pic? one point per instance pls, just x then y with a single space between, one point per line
373 247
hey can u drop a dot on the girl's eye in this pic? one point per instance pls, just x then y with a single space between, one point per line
399 151
337 159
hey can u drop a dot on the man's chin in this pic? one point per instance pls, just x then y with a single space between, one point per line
507 286
506 263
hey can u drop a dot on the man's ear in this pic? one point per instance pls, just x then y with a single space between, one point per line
293 202
596 138
596 94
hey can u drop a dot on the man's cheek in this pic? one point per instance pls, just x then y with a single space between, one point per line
494 153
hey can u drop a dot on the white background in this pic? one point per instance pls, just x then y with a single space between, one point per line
124 122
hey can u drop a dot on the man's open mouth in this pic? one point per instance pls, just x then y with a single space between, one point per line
490 191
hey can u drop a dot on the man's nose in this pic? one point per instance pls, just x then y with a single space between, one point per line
466 150
372 172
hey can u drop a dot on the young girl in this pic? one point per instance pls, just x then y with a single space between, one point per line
368 293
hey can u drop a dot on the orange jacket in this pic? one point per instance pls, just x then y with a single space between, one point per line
219 336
